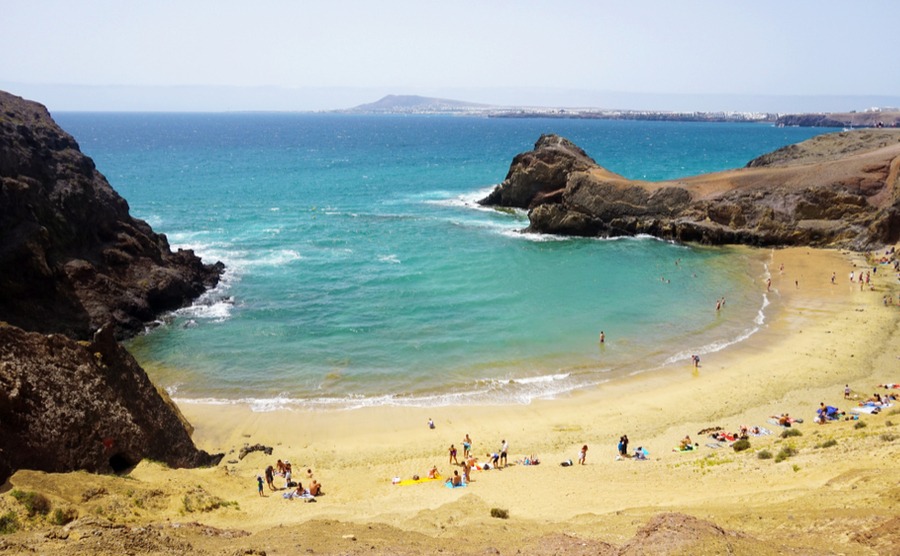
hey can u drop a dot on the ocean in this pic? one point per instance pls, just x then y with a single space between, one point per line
360 270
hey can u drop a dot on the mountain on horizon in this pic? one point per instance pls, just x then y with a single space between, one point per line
416 104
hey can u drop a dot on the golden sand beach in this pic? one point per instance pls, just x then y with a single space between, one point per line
837 497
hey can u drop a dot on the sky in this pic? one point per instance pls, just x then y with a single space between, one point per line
319 55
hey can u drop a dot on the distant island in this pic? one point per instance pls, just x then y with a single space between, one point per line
414 104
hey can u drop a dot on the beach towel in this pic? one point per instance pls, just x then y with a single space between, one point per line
870 409
450 485
713 445
407 482
762 432
687 449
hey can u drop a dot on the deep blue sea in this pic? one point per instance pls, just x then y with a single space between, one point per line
360 271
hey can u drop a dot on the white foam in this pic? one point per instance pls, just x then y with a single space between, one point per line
759 320
519 391
392 259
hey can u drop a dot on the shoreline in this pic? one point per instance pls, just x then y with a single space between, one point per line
820 337
744 384
609 362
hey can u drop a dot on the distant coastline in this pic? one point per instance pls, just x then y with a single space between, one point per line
413 104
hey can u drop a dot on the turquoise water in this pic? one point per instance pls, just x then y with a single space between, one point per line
360 271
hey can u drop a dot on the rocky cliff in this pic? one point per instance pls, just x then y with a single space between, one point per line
72 259
67 405
836 190
72 262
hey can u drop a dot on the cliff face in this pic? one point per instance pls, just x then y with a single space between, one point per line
838 190
67 405
72 259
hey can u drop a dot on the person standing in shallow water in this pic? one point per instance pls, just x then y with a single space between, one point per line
602 337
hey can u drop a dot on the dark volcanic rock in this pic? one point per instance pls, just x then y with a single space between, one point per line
67 405
537 175
71 257
837 190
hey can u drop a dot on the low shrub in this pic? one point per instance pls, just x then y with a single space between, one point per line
787 433
34 502
497 512
741 445
785 453
859 425
764 454
827 444
8 523
887 437
62 517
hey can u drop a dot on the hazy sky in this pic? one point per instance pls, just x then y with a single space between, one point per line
335 54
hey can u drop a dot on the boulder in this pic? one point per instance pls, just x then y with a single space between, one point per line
67 405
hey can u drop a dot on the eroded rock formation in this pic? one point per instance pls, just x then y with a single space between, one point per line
836 190
68 405
72 259
72 262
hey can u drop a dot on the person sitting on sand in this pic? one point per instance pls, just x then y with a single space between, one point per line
315 488
876 399
639 453
296 493
784 420
455 480
686 443
280 468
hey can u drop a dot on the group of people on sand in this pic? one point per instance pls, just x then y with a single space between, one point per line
494 460
283 469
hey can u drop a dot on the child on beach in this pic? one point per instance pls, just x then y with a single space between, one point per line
259 483
583 454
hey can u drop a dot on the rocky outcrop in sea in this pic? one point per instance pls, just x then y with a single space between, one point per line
835 190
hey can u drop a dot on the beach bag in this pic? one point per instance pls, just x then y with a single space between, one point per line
291 484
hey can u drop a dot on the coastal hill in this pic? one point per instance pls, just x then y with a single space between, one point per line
72 258
889 117
413 104
77 272
835 190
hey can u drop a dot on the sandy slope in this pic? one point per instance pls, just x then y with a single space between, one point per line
838 499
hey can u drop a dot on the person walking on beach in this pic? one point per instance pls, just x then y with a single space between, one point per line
259 485
504 448
453 455
583 455
467 446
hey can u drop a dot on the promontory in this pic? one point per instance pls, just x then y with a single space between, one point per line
834 190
